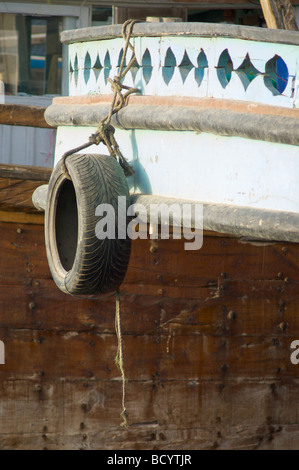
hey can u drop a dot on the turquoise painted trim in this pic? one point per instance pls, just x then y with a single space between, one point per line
213 67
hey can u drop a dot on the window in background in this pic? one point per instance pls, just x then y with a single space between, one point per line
9 57
30 54
101 16
248 17
122 14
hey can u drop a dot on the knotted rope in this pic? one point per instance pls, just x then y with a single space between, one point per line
105 131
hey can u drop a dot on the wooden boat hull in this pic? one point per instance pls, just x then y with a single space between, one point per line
210 335
207 345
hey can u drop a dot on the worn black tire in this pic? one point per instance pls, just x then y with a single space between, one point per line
80 262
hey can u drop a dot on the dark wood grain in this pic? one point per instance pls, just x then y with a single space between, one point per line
23 115
206 340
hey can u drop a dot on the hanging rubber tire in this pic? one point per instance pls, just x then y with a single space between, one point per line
80 262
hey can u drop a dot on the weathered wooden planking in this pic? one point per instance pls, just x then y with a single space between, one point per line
198 376
173 354
25 172
160 287
22 115
17 184
220 258
250 311
181 415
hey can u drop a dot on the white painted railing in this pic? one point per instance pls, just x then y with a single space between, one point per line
199 65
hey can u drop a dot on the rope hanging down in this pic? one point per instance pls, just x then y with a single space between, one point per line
105 131
119 360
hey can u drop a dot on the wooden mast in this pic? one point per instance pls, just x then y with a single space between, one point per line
279 14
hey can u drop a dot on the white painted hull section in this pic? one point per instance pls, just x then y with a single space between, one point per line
203 167
233 161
